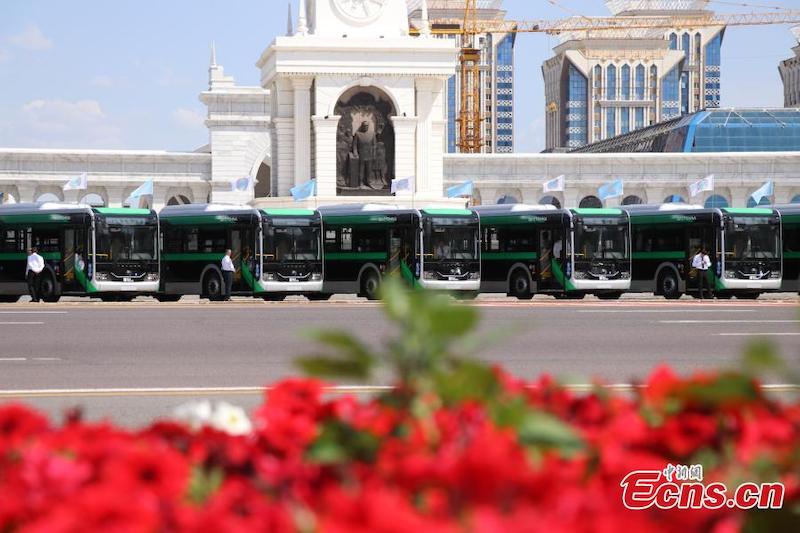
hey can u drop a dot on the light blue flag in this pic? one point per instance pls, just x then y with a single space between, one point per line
615 189
766 190
464 189
304 190
243 184
145 189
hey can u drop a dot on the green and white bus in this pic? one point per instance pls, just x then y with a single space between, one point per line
744 246
528 250
790 226
106 253
194 238
432 248
291 262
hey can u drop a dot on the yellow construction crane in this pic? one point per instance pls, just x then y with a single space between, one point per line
470 118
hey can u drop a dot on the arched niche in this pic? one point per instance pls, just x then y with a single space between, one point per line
263 187
365 142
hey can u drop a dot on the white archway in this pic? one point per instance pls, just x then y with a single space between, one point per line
366 83
93 199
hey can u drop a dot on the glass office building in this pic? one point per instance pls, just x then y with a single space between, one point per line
719 130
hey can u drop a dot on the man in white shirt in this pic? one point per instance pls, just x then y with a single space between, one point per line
227 275
701 263
33 273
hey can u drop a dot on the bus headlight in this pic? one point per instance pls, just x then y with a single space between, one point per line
101 276
316 277
730 274
429 275
775 274
475 275
268 276
152 277
579 275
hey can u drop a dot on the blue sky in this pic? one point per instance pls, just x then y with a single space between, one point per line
126 75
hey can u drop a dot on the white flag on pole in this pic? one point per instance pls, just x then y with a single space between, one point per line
402 184
704 185
79 183
555 185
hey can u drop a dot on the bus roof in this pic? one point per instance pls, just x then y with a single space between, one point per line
43 207
123 211
666 209
788 209
205 209
515 209
597 212
288 212
751 211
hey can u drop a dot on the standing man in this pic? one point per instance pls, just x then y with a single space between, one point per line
33 273
701 267
227 275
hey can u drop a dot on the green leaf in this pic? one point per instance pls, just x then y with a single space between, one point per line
351 359
203 484
761 357
341 443
543 430
469 380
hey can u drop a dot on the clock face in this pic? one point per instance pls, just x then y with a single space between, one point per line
360 10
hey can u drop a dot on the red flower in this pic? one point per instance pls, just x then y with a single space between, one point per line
18 424
152 468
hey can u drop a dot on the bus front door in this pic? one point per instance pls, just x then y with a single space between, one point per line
401 260
73 268
700 237
243 255
550 265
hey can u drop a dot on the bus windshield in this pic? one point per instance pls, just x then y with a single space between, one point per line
126 239
286 244
601 240
451 240
752 238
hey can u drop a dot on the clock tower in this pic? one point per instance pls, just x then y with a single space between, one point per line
356 103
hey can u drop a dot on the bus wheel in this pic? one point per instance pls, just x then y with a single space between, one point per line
164 298
8 298
723 295
370 285
319 297
609 295
520 286
465 295
212 287
668 286
273 297
48 289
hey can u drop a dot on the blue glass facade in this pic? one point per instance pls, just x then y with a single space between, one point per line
639 123
625 120
611 82
625 82
504 96
713 71
611 123
577 132
638 87
716 201
684 93
670 94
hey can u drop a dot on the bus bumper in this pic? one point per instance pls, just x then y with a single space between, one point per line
119 286
298 287
591 285
441 285
752 284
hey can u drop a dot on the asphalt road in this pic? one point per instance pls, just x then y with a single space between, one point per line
78 353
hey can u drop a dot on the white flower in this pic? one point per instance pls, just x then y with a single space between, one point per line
194 414
231 419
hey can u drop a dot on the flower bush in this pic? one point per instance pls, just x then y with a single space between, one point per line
455 446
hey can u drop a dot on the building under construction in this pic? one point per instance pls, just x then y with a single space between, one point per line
604 83
495 105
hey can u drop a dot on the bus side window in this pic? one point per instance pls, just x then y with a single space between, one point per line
347 239
46 239
13 240
173 240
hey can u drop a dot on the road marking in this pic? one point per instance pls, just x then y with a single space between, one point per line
729 321
664 311
758 334
250 391
33 312
48 359
21 323
10 359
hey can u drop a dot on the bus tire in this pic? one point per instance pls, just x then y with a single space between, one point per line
9 298
370 285
273 297
520 286
748 295
668 286
212 286
319 297
609 295
48 288
166 298
465 295
723 295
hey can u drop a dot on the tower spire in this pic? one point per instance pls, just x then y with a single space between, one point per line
213 54
302 23
289 29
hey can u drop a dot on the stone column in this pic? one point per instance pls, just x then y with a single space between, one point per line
425 89
405 146
302 129
325 130
284 149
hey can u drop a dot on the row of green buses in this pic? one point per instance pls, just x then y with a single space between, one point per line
519 250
